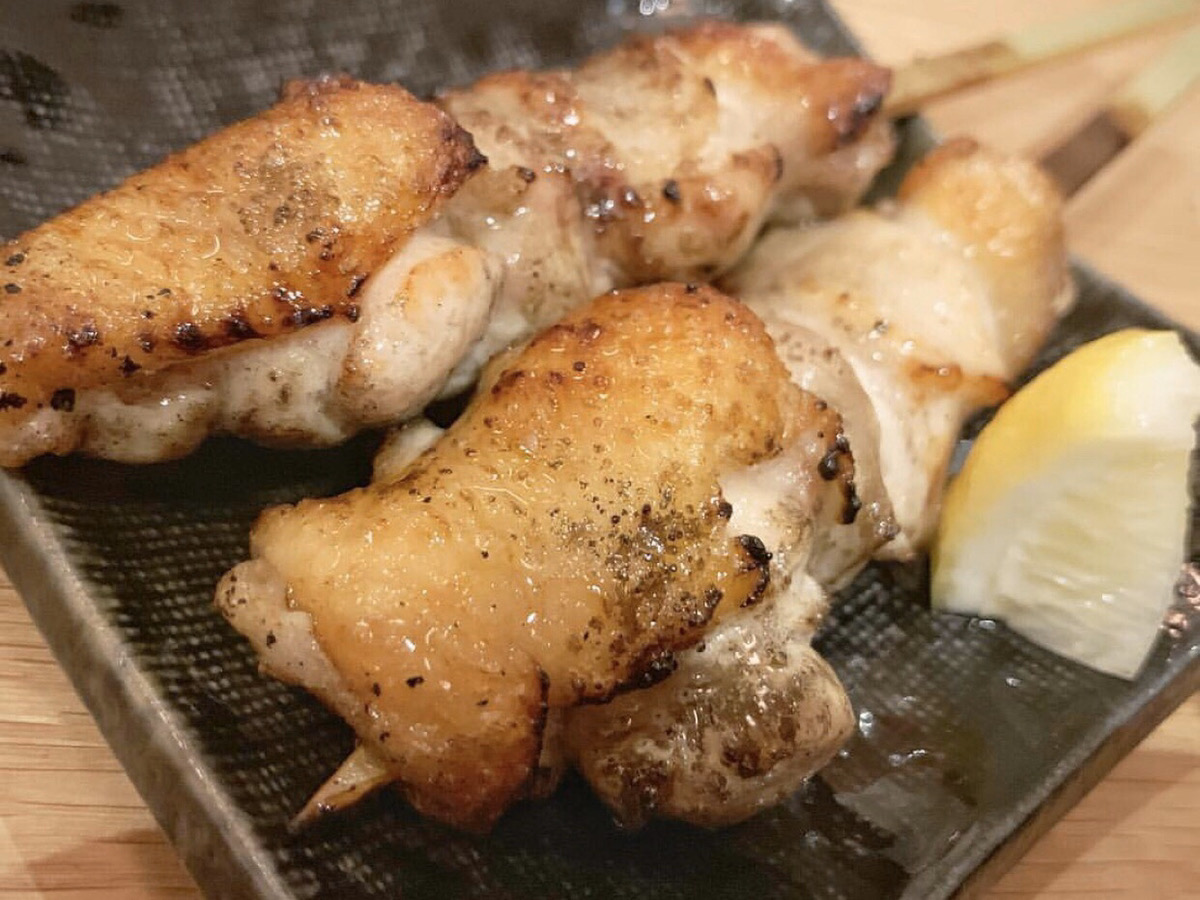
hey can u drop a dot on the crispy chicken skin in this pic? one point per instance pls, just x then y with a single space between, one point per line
681 144
660 159
559 544
420 312
937 300
258 231
753 711
175 306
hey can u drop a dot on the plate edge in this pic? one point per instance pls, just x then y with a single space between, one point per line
142 732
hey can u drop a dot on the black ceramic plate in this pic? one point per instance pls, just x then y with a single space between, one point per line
970 739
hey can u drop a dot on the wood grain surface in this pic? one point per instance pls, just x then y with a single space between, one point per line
71 825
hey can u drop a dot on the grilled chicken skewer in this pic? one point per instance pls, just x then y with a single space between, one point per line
658 160
299 276
636 524
559 544
907 320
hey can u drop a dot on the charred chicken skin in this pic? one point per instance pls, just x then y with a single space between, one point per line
658 160
148 316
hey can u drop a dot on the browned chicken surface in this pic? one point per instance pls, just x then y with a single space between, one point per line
560 544
937 300
289 279
263 229
738 727
680 145
660 159
906 320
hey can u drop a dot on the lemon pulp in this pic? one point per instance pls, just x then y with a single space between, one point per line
1069 517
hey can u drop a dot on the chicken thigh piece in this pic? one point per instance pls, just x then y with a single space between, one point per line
259 282
560 544
658 160
937 300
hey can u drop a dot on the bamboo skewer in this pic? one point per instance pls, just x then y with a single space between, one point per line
1150 92
1129 112
922 80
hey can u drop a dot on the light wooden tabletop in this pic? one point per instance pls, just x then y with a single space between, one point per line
71 825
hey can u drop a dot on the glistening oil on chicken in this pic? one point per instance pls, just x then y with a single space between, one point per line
616 559
195 296
335 262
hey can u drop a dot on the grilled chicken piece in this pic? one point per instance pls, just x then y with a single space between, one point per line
132 316
905 320
128 322
658 160
736 728
937 301
559 544
318 386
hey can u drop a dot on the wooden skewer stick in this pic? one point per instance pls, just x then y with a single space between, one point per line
922 80
1129 112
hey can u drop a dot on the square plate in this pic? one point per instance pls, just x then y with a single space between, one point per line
971 741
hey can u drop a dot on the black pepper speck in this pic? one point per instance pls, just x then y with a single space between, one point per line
63 400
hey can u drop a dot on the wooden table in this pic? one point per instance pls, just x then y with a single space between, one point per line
71 825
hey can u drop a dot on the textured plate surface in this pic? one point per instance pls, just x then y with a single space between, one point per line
970 740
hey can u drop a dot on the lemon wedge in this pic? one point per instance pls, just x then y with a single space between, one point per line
1069 517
